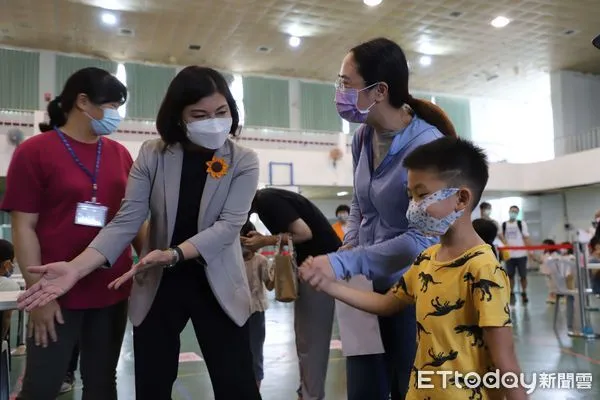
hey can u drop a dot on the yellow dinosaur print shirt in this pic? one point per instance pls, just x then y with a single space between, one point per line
454 301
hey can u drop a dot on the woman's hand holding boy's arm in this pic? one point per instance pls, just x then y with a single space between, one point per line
370 302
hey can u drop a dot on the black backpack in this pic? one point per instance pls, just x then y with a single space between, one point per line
519 224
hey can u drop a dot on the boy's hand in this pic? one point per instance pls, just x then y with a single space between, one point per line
315 275
346 247
323 265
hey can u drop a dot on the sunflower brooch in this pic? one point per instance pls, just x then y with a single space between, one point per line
217 167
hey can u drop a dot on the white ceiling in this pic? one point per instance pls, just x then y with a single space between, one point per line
469 56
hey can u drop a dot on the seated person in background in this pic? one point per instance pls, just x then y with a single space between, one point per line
7 257
595 258
568 265
488 231
259 276
460 291
545 270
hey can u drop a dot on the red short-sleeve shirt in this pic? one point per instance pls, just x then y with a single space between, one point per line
44 179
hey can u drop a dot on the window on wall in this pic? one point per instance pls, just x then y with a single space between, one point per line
459 112
317 108
147 85
122 77
68 65
19 79
267 102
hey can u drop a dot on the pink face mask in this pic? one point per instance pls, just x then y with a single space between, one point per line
346 100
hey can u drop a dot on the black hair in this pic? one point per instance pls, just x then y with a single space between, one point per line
97 84
485 204
7 251
549 242
382 60
486 229
247 228
457 161
517 207
342 208
191 85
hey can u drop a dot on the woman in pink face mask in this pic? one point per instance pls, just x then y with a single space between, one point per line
372 89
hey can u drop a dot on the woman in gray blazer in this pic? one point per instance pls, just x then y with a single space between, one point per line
197 185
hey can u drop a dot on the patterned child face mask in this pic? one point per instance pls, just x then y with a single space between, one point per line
419 218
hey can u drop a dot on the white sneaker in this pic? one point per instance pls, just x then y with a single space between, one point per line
67 385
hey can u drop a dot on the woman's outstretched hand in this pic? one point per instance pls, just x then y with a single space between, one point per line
156 258
57 278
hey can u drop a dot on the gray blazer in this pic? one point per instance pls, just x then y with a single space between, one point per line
153 186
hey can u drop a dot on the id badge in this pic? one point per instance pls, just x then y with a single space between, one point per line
91 214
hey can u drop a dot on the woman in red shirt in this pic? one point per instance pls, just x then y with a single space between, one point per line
62 186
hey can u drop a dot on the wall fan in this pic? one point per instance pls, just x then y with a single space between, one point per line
15 136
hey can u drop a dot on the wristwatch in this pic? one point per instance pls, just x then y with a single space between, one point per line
176 256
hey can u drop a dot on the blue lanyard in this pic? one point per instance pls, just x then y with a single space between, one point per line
93 176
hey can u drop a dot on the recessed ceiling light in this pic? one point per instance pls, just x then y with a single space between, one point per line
500 22
425 61
372 3
109 18
125 32
263 49
340 194
295 41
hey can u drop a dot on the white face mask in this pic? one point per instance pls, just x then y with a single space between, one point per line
209 133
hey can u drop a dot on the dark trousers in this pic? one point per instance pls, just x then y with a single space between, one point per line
376 376
184 294
74 361
99 333
256 324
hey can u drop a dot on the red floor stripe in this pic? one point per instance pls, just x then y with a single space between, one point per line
579 355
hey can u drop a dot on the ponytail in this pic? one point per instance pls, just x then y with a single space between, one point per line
45 127
432 114
56 114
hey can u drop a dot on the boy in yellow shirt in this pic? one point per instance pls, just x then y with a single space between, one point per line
461 292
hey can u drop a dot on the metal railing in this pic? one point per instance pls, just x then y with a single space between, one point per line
577 143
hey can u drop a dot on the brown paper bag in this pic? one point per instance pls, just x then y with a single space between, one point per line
286 270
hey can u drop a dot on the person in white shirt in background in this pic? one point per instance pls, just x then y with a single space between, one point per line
515 233
259 276
7 266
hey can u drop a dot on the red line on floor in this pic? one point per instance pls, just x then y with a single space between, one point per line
579 355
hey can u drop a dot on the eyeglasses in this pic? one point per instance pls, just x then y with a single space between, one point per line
339 84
